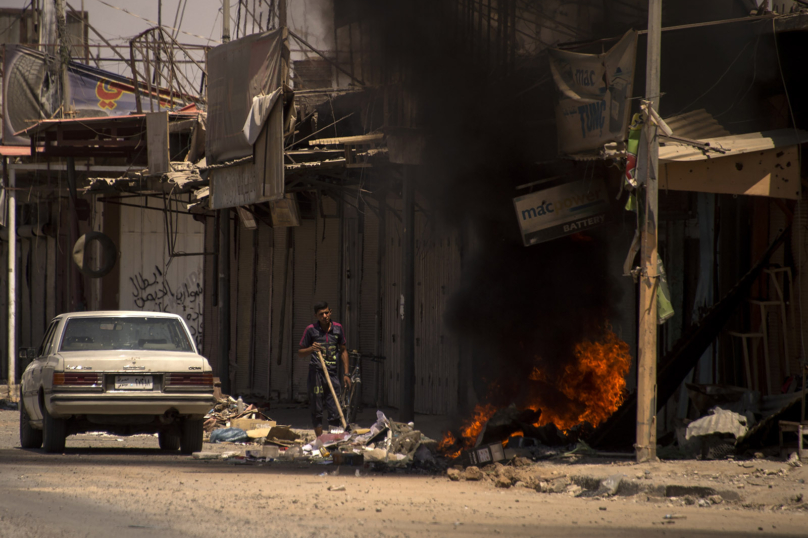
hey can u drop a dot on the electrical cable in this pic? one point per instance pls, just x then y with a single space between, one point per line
717 82
155 22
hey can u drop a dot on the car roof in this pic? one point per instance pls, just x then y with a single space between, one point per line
117 314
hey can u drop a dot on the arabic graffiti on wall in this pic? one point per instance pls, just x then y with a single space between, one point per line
154 292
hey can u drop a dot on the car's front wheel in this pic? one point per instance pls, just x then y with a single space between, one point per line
168 440
191 436
29 436
54 432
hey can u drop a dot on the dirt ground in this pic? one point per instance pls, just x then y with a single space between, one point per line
122 487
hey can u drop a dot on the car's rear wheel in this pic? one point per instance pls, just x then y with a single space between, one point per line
54 432
191 436
29 436
168 440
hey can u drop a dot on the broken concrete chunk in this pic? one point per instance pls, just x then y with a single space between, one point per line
573 490
502 482
715 499
473 473
453 474
559 485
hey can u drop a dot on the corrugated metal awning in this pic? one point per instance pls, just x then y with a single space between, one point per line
731 145
756 164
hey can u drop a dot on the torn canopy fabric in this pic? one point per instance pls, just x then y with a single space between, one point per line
238 72
594 90
259 112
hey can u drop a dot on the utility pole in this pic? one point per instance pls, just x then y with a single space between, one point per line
649 282
282 14
11 226
225 21
64 56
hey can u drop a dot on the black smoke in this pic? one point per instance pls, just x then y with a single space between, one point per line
489 121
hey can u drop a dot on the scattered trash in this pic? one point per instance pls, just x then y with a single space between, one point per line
609 486
348 458
228 435
205 455
336 488
281 435
227 410
484 454
674 516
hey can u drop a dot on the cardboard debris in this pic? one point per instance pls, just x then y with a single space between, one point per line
248 424
281 436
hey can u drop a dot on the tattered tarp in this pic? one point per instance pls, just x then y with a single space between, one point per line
238 72
593 107
31 92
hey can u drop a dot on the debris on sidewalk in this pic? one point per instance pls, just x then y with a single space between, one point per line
713 436
228 435
226 411
385 444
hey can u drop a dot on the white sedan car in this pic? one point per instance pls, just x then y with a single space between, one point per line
119 372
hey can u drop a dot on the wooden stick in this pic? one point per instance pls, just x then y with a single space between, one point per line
333 393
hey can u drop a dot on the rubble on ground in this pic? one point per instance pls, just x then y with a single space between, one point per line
385 444
227 410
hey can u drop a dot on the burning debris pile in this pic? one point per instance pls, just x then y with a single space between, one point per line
554 408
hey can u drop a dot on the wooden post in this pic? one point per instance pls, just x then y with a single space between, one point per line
333 392
647 348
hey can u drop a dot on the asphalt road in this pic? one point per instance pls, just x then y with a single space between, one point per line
106 487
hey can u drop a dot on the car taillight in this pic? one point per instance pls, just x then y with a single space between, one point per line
187 380
77 379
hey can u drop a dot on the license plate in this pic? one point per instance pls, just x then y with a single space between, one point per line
134 382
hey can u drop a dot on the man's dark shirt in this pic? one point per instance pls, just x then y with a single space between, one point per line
330 341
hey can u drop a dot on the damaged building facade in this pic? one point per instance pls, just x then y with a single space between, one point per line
316 155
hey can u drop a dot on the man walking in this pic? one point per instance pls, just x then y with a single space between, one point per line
328 338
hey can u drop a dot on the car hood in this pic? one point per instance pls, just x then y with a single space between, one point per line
133 361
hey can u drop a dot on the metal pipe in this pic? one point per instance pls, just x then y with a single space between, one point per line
11 224
225 21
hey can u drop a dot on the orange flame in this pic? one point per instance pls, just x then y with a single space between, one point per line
595 380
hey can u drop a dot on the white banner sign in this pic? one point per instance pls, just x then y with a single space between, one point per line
593 107
562 210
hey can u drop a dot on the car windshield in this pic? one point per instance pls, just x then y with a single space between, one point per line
103 333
